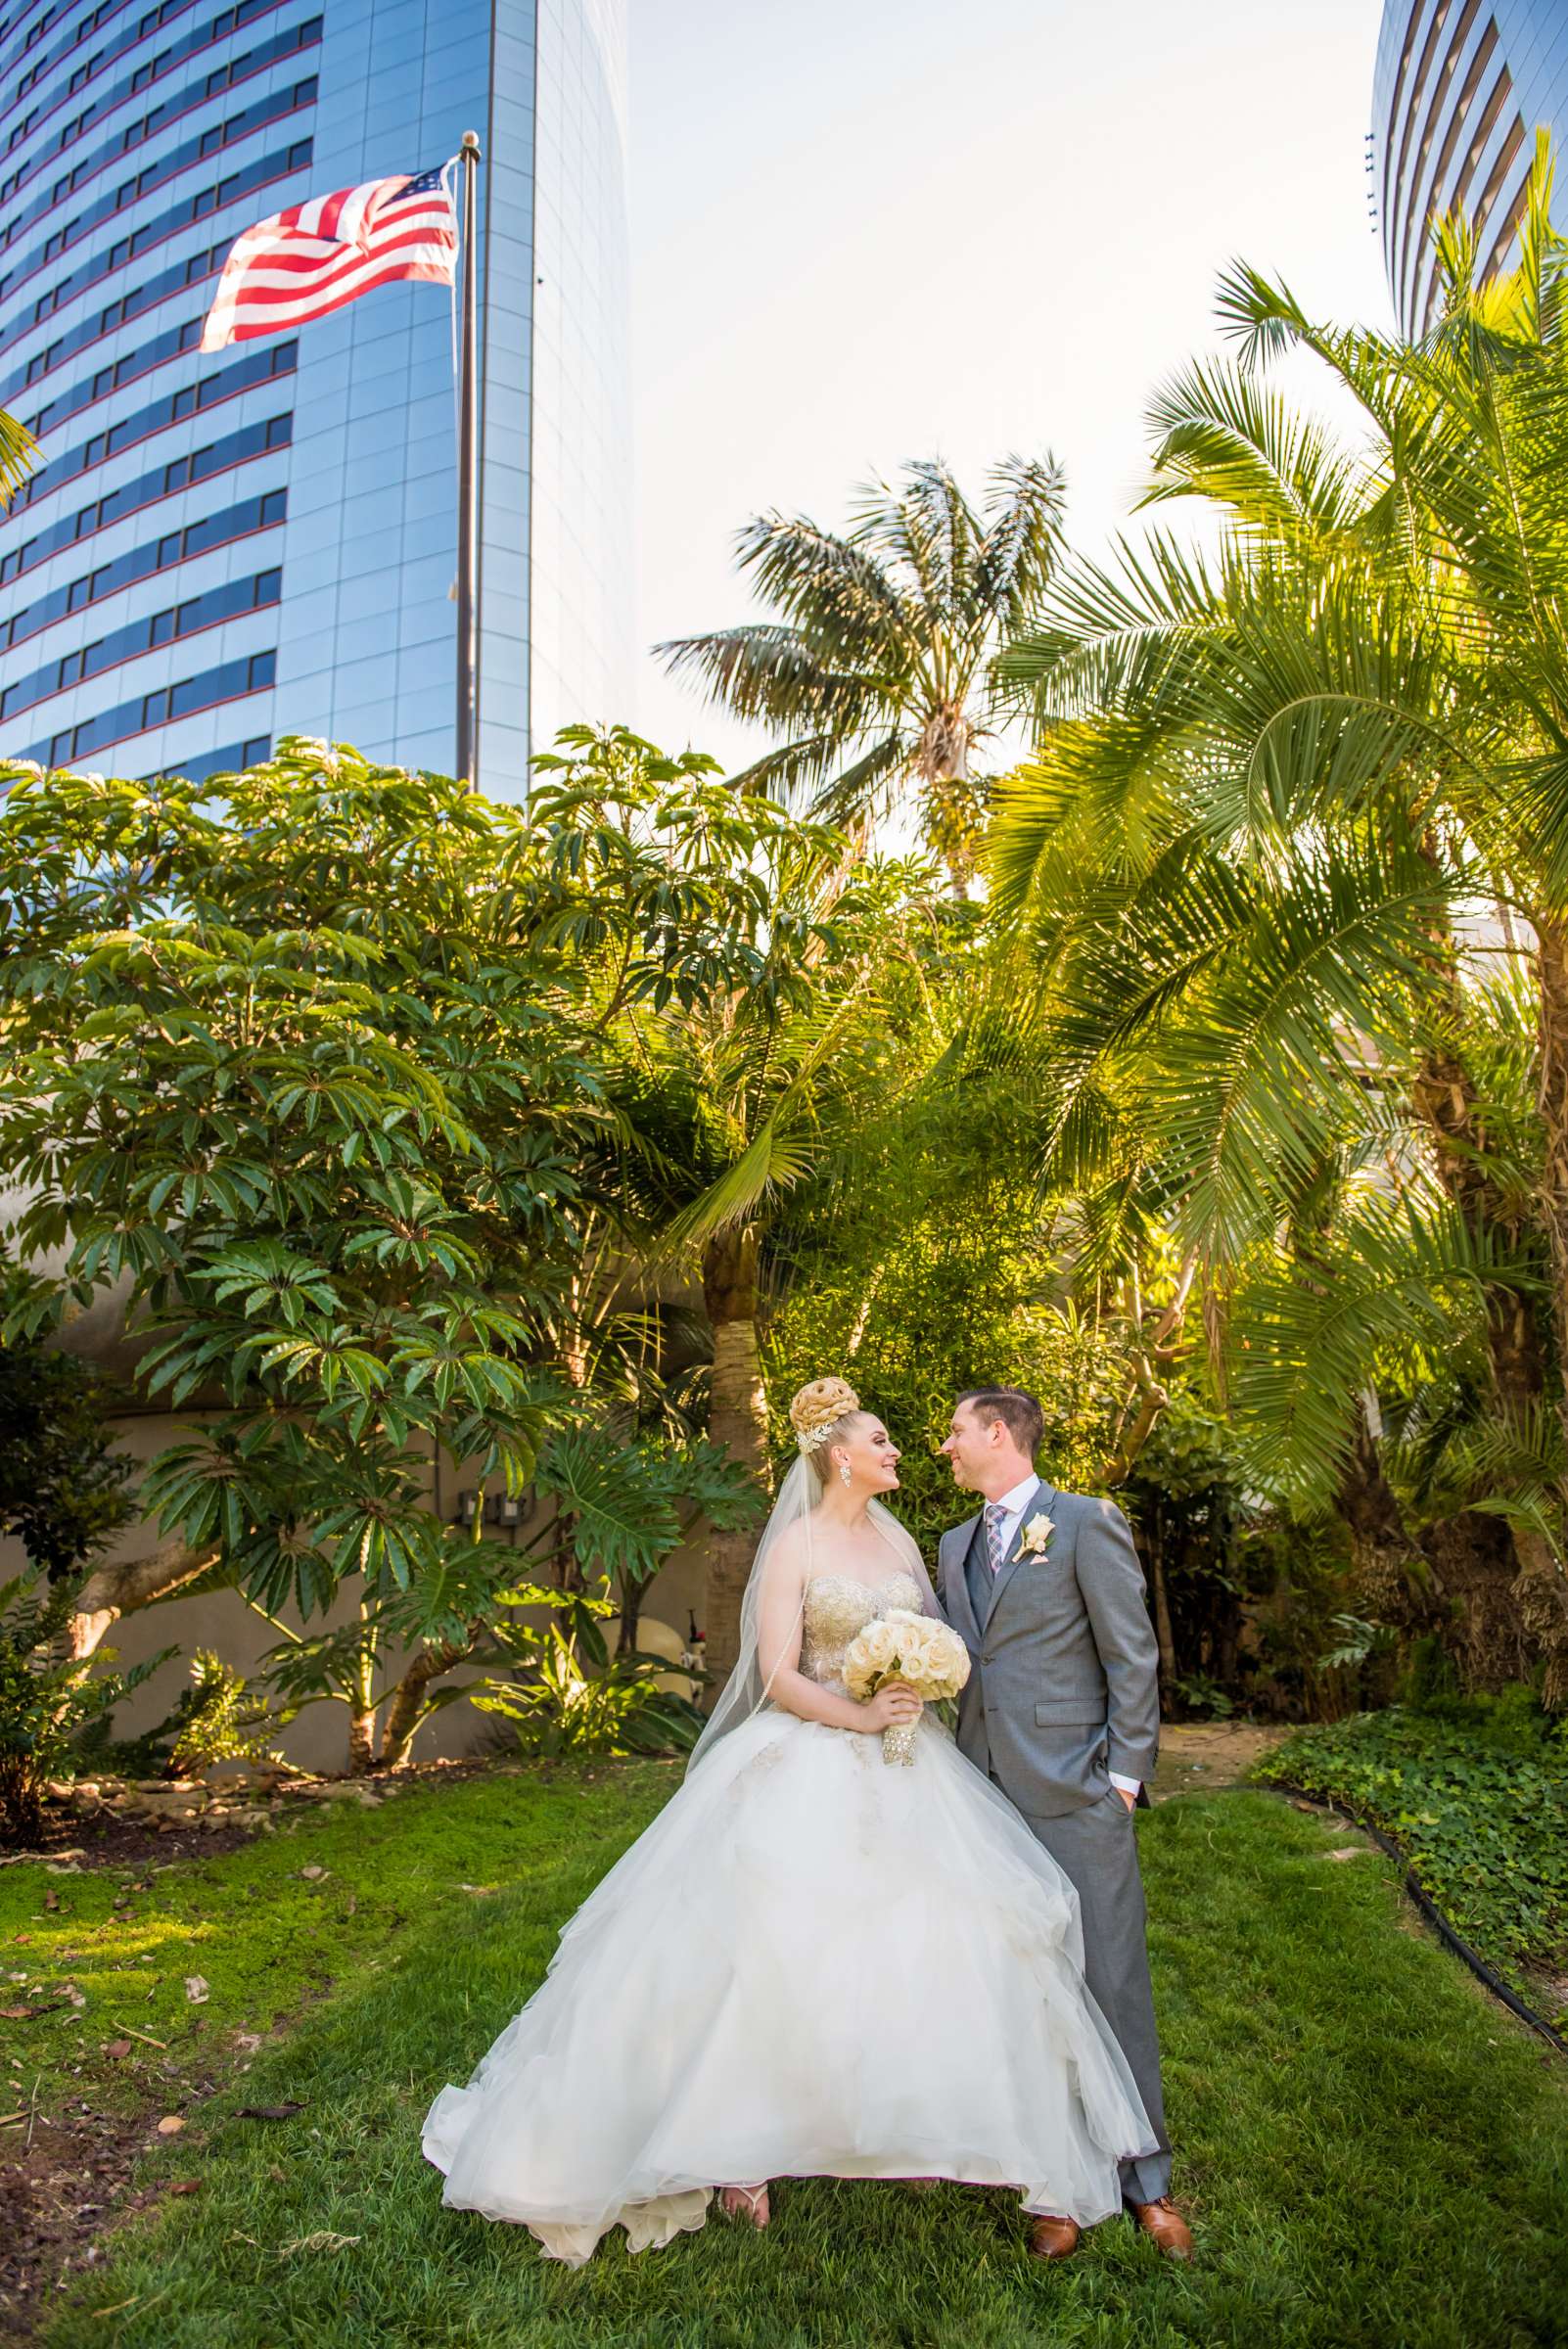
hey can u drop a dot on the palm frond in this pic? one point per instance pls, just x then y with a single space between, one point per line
1402 1277
861 790
927 530
1222 435
769 672
19 455
833 590
1022 539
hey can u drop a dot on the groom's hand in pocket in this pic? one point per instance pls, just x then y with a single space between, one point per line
1130 1800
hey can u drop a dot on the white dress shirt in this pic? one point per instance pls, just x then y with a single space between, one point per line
1014 1503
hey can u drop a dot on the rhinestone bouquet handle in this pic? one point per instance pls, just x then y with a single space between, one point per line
898 1742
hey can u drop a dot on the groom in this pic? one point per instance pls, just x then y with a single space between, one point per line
1061 1710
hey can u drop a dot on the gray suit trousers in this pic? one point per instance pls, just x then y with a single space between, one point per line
1063 1690
1096 1849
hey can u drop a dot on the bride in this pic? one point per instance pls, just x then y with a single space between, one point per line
810 1963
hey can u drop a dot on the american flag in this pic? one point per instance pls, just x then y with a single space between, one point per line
312 258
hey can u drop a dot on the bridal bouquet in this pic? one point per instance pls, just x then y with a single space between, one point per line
901 1645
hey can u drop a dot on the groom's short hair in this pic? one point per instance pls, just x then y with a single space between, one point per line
1019 1413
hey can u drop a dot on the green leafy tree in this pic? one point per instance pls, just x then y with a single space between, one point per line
297 1080
955 1274
742 972
341 1102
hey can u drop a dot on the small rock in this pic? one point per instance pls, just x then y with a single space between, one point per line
314 1874
170 2125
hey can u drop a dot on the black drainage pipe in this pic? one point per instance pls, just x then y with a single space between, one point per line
1432 1915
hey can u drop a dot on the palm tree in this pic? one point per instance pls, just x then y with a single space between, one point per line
1295 764
878 668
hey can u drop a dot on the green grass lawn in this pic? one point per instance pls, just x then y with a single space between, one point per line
1371 2151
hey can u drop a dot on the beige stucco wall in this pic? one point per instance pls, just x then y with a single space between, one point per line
221 1620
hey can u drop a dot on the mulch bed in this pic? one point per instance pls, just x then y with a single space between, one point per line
109 1842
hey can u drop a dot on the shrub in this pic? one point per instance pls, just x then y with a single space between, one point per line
62 1484
47 1699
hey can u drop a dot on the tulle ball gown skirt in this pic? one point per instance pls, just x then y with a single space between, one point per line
812 1963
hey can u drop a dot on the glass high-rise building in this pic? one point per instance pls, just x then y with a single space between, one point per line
219 550
1458 91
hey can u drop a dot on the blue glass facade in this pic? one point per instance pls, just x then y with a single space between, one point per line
219 550
1458 91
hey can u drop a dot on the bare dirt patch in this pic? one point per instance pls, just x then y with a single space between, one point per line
1198 1756
64 2182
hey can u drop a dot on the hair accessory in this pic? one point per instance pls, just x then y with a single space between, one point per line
817 1409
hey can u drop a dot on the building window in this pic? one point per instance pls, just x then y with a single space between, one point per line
234 600
143 562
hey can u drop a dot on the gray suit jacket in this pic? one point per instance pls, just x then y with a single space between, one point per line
1063 1686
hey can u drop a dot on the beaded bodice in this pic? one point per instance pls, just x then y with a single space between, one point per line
837 1607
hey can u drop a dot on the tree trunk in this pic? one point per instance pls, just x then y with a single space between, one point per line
407 1705
1510 1593
631 1598
1542 1589
362 1713
362 1740
1162 1609
1455 1577
1393 1578
111 1592
738 1421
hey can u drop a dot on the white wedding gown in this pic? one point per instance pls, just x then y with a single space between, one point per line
812 1963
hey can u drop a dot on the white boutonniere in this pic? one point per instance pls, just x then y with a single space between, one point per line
1034 1540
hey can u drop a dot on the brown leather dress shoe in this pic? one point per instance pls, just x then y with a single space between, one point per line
1054 2238
1164 2223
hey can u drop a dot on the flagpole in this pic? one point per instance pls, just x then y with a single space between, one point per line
468 483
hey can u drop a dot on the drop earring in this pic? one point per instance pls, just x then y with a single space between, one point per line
844 1470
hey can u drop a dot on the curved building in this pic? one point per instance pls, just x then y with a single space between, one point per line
221 549
1457 93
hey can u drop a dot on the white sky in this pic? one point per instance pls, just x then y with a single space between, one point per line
869 230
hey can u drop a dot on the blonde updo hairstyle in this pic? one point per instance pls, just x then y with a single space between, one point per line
822 1415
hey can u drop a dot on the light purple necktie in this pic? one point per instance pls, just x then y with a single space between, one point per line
996 1517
